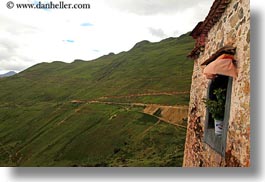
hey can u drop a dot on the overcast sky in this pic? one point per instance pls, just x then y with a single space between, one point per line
31 36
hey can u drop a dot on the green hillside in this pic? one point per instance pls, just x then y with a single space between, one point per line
40 126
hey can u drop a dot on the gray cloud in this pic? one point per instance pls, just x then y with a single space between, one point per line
11 57
7 49
151 7
14 27
157 32
13 64
176 33
12 60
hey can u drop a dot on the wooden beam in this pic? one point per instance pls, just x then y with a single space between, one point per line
224 50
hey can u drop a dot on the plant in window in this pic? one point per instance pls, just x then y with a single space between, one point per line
217 108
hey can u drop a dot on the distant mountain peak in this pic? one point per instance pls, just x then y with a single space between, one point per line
8 74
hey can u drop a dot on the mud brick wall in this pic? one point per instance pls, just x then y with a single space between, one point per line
233 28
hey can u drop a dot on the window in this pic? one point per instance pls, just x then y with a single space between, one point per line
218 142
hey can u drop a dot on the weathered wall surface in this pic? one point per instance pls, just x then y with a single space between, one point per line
233 28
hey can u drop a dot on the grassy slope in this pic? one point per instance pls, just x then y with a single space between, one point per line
39 127
148 67
87 135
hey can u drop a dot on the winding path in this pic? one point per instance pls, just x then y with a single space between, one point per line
145 94
136 105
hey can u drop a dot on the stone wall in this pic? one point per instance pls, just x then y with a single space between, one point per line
233 28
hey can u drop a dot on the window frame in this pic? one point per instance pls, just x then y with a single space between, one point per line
218 143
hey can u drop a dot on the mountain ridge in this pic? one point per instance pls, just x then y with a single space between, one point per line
83 113
124 73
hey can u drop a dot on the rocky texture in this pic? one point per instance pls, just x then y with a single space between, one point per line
233 28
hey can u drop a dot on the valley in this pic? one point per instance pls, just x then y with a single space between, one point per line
124 110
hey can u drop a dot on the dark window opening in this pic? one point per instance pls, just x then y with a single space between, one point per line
218 142
219 82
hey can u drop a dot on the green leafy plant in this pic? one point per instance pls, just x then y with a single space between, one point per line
217 106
